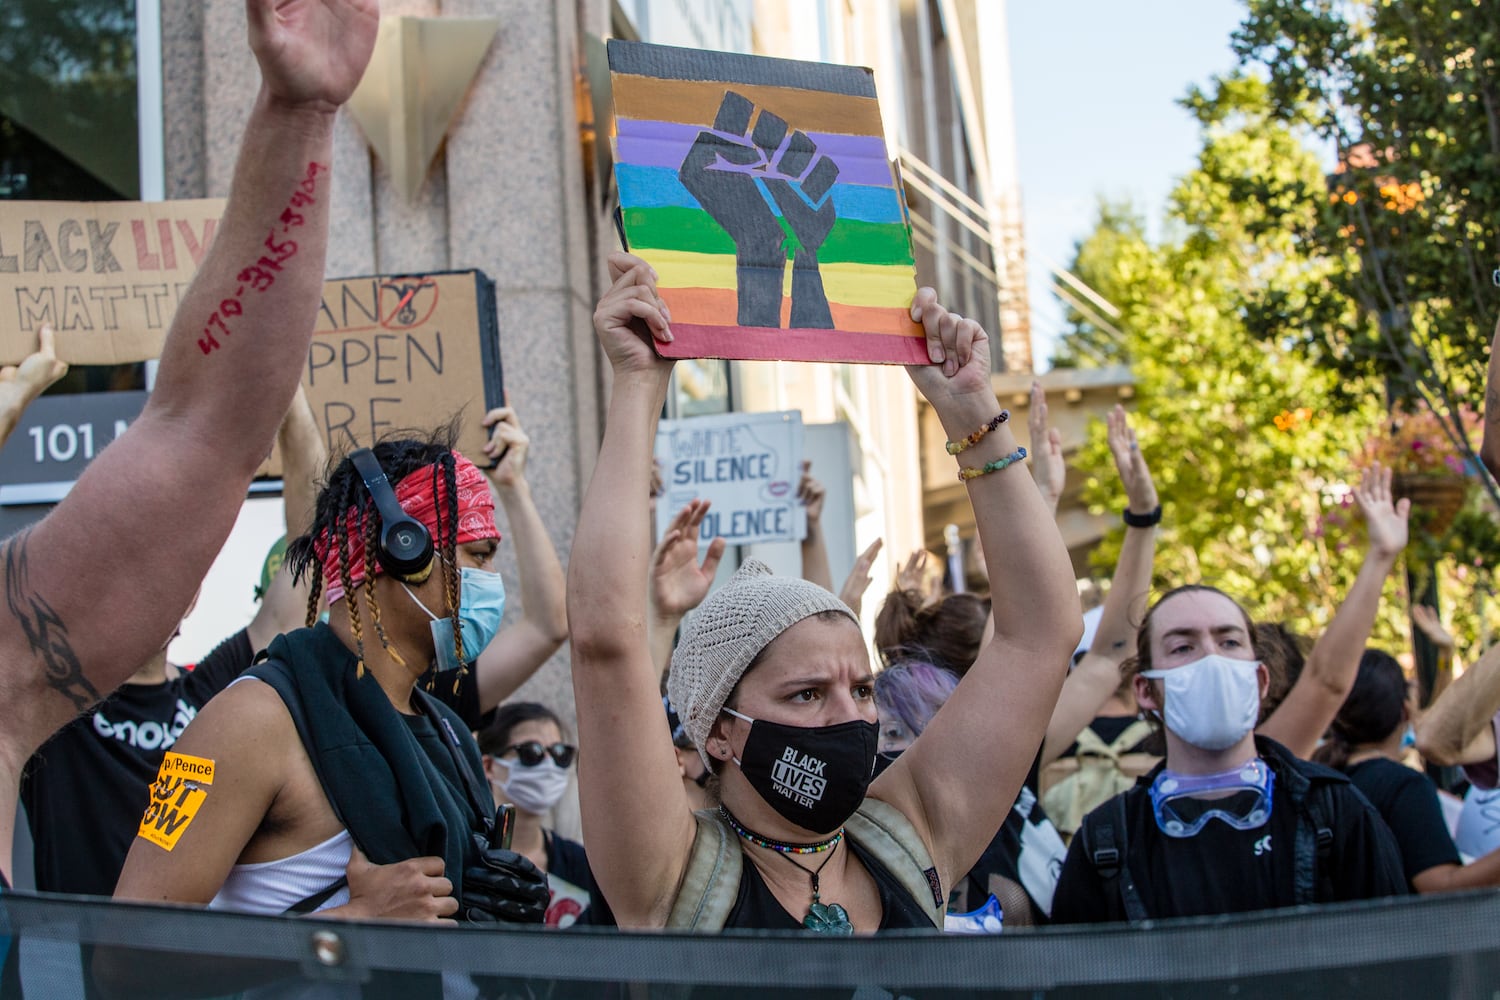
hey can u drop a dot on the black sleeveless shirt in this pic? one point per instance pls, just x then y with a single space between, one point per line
756 907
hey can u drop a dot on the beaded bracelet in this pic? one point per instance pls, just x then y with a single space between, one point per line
954 447
964 475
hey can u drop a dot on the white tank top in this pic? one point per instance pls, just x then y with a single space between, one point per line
274 886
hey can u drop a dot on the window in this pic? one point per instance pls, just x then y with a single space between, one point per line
70 123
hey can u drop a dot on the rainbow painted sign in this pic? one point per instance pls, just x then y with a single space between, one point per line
761 192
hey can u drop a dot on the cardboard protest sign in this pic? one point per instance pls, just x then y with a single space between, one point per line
747 464
107 276
762 193
405 352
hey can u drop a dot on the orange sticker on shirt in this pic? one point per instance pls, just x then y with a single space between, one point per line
179 790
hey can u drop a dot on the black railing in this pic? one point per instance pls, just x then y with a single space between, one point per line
1433 947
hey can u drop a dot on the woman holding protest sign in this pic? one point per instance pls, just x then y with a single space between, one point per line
774 686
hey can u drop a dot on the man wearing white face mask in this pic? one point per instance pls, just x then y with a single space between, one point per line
1229 822
530 765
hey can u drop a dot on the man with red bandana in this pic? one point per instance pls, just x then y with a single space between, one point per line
329 778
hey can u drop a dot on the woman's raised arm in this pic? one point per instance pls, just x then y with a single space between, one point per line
957 782
636 817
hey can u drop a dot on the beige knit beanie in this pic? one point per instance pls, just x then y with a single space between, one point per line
728 631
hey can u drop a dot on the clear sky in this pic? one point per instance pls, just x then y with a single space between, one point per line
1096 84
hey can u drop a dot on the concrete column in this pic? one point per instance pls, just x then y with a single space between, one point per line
505 195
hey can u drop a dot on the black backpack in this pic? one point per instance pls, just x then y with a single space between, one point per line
1105 844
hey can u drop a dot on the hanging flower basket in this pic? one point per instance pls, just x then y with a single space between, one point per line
1435 499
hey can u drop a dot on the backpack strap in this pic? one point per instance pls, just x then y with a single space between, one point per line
1104 843
711 882
1090 744
888 835
318 898
1314 845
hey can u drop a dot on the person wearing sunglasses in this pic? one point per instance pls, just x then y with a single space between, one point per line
529 764
1229 822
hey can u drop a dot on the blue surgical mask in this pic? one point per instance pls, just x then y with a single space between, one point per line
1409 737
481 605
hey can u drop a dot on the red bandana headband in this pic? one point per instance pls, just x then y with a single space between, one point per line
416 494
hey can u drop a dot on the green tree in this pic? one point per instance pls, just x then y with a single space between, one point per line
1251 439
1406 96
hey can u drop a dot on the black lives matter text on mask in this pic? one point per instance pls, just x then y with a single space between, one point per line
800 777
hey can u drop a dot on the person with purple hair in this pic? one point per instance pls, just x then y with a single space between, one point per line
1021 865
908 694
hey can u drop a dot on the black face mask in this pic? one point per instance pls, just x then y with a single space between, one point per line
885 759
814 776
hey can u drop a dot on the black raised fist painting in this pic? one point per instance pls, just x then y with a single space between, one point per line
761 192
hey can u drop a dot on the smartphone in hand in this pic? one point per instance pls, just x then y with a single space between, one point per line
504 826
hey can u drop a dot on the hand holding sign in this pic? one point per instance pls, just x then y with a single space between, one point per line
812 494
506 448
20 384
631 316
415 889
957 383
312 53
679 582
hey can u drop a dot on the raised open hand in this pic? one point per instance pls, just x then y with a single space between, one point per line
1135 475
312 53
630 315
960 353
1426 619
1385 521
1047 466
679 582
922 568
853 591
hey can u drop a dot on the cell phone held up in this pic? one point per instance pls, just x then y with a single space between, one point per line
504 827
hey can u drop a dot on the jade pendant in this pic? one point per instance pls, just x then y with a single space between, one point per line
829 919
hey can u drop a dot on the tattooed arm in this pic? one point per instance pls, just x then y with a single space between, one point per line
95 589
1489 448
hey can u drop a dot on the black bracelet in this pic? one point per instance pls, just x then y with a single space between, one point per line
1150 520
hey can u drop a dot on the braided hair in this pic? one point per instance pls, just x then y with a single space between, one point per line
345 510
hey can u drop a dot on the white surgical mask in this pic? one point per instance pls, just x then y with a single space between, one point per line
533 789
1213 702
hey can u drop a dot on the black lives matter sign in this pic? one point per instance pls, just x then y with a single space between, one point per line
106 276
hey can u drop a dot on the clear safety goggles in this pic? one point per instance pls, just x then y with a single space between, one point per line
1184 803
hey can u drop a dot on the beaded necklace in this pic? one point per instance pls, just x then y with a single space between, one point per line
821 919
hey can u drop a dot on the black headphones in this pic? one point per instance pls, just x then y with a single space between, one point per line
404 547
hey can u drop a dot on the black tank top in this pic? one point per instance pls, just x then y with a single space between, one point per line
756 908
